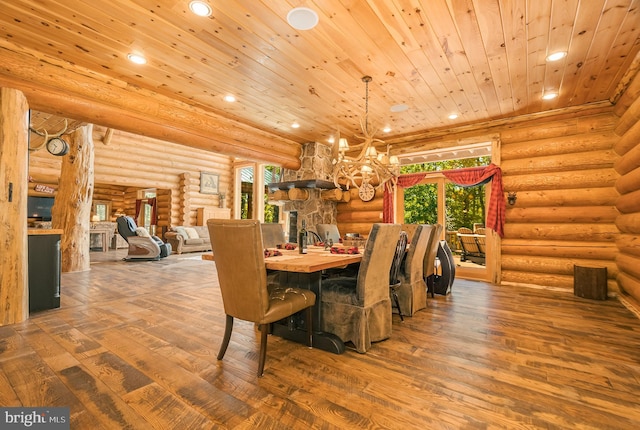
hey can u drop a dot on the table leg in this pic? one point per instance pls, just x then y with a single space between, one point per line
295 328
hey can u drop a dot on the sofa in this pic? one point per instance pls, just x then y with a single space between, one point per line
188 239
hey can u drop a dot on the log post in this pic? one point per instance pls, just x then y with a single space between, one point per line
14 282
72 207
298 194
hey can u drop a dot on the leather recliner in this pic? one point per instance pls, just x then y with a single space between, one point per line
141 248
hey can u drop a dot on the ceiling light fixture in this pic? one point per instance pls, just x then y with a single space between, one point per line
453 116
302 18
295 125
369 166
549 95
229 98
200 8
387 129
555 56
137 59
399 108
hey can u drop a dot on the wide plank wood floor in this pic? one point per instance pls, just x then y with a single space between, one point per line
134 347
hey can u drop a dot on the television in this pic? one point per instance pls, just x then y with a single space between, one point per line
39 208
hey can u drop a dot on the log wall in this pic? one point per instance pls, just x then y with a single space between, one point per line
562 168
126 163
356 216
562 171
627 166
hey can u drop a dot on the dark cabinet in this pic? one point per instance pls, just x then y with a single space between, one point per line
44 271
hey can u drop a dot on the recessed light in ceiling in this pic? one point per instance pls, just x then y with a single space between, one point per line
549 95
399 108
295 125
555 56
200 8
387 129
453 116
302 18
229 98
137 58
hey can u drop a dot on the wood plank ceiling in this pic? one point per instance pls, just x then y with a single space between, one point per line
480 59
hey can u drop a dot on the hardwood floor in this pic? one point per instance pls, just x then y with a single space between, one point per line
134 347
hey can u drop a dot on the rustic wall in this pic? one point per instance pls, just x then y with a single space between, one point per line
628 185
562 171
126 163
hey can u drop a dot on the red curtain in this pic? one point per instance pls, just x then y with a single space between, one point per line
154 209
404 181
466 177
477 175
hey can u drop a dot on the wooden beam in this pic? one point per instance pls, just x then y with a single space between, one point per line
76 93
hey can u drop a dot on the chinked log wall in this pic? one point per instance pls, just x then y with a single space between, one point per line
628 185
130 162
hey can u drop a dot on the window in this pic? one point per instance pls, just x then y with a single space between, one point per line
251 196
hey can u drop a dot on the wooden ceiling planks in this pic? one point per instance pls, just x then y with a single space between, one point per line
481 58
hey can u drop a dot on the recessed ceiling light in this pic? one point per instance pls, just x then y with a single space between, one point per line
387 129
549 95
229 98
302 18
453 116
137 58
200 8
399 108
295 125
555 56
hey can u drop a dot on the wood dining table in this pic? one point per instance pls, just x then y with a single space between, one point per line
305 271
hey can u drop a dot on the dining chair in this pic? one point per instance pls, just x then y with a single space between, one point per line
430 258
394 274
272 234
242 275
358 309
412 292
331 229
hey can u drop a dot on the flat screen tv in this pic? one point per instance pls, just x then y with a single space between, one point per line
39 208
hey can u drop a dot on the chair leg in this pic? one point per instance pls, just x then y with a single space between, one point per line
397 300
228 327
264 330
310 327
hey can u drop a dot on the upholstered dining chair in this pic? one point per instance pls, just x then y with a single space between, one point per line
239 257
412 293
331 229
358 309
394 274
272 234
430 259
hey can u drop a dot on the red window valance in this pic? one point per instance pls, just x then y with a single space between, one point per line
466 177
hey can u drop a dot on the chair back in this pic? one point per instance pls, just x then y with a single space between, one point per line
239 256
413 267
432 250
372 285
126 227
332 229
410 229
398 257
272 235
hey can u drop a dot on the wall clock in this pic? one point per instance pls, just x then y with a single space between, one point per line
57 146
366 192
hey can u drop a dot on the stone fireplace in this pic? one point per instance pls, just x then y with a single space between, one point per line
315 172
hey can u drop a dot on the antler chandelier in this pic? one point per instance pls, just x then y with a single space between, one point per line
369 166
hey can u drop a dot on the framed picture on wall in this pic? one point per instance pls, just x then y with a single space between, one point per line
209 183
